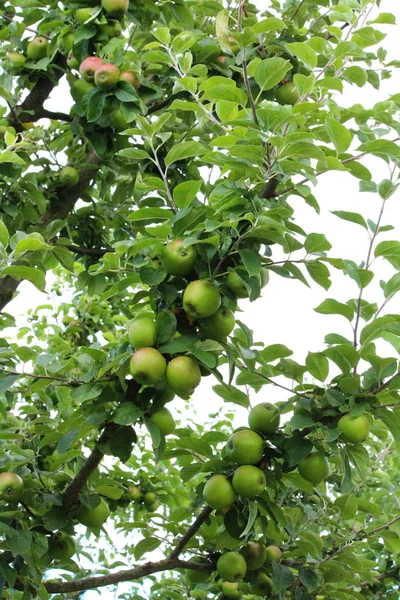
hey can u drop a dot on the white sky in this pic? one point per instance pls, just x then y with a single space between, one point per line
285 313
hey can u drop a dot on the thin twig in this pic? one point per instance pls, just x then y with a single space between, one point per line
195 526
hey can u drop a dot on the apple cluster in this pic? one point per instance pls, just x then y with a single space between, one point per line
148 498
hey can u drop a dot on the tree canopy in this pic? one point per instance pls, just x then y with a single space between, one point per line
167 196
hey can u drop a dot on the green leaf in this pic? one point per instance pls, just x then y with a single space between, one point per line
6 382
274 352
282 577
309 578
351 216
317 365
184 150
36 277
4 235
30 244
146 545
127 414
391 418
231 394
95 105
389 250
330 306
316 242
183 42
7 156
270 72
150 214
184 193
271 24
165 326
339 135
251 261
134 153
304 52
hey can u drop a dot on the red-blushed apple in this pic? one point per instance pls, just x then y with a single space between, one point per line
131 78
106 76
89 66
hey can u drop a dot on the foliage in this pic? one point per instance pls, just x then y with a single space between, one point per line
200 151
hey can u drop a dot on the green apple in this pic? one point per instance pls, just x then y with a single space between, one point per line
84 14
314 468
248 481
69 176
219 493
89 66
236 284
116 9
183 375
219 325
201 299
61 547
264 277
118 120
11 487
264 418
254 554
37 48
16 59
262 585
106 76
176 259
93 518
354 429
142 333
151 501
79 89
273 553
134 493
65 43
231 567
147 366
72 62
109 30
287 94
245 447
230 590
131 78
164 421
194 577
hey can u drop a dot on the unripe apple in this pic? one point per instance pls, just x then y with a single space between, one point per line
219 493
164 421
314 468
273 553
149 498
264 277
116 9
231 566
354 429
106 76
118 120
147 366
95 517
142 333
287 94
134 493
11 487
194 577
61 547
176 259
84 14
248 481
245 447
69 176
201 299
72 62
230 590
254 554
183 375
131 78
235 283
262 585
264 418
79 88
107 31
65 43
89 66
17 59
219 325
37 48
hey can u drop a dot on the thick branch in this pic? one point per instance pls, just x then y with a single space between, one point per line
72 492
55 116
88 251
193 529
89 583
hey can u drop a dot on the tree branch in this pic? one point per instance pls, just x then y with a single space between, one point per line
55 116
138 572
50 377
195 526
87 251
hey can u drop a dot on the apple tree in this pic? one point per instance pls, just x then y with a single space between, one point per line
152 210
